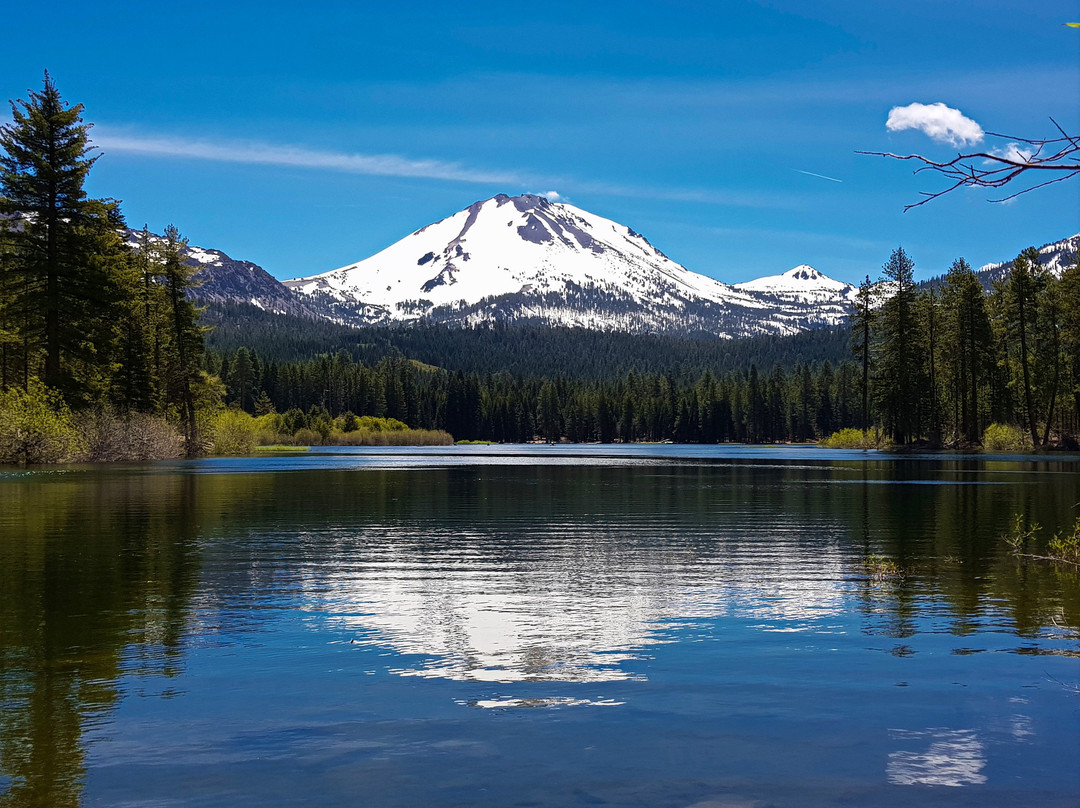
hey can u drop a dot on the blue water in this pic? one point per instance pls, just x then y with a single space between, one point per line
538 626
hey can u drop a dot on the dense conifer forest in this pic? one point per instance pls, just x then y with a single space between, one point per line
92 329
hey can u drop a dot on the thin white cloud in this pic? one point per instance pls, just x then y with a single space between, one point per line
943 124
256 153
389 165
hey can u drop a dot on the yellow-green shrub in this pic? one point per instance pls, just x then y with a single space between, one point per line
235 432
854 439
36 426
1005 438
307 437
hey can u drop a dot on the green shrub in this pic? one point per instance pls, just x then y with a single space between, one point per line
307 437
234 433
36 426
393 437
1005 438
370 423
854 439
1022 534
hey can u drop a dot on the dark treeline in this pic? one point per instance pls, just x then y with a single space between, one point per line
934 366
799 404
576 353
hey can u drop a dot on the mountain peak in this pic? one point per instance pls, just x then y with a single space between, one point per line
526 259
800 281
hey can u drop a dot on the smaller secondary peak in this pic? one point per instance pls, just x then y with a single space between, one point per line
803 279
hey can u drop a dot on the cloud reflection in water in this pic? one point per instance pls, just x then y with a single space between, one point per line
954 758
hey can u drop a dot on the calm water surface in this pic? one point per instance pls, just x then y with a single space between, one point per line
537 626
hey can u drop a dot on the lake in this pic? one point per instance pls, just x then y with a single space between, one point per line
538 626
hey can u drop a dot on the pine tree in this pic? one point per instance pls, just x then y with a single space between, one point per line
1048 350
44 163
899 383
862 322
1024 286
966 347
183 366
1070 333
242 379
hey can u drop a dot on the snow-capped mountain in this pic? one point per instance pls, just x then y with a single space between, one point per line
525 259
1053 257
805 286
224 279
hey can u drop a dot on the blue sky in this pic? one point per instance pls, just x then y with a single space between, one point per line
305 139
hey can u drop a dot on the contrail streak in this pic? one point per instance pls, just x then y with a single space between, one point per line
821 176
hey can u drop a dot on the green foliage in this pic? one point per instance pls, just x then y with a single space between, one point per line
36 426
855 439
233 432
307 437
899 352
1022 534
1005 438
532 352
109 327
1065 546
64 263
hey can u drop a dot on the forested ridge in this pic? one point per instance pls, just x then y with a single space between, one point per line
576 353
933 366
92 326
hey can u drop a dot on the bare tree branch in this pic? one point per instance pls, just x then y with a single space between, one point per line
994 169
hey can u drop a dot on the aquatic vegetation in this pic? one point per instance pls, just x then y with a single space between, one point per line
1066 546
1022 534
1063 548
882 568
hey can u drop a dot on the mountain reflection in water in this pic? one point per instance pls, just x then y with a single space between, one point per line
580 606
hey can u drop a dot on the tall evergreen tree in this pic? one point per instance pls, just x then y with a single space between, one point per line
862 323
1024 287
186 347
899 380
966 347
44 162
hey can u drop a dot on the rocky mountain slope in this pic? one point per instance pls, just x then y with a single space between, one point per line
225 279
